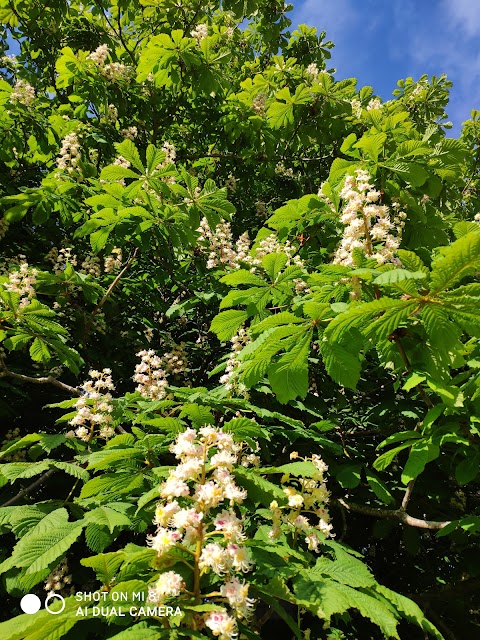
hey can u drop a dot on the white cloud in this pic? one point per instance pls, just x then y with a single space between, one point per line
335 16
442 44
463 14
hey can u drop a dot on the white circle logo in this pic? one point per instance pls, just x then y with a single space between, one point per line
51 597
30 603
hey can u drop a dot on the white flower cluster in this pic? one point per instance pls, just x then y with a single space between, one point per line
100 55
281 170
112 113
22 282
200 32
230 377
114 70
170 154
305 496
374 103
259 104
223 251
8 61
61 258
369 226
70 154
220 244
113 262
94 407
117 71
477 217
175 361
4 224
312 71
23 93
91 266
12 434
198 506
130 133
150 375
59 580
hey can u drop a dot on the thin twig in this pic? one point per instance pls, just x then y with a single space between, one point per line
23 492
5 373
109 291
408 494
391 514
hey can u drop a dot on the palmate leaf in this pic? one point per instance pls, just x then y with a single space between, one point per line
325 598
289 376
130 152
242 276
39 351
342 366
409 610
345 569
109 518
386 324
360 316
398 275
42 625
109 486
45 543
411 261
227 323
423 451
259 489
457 261
98 538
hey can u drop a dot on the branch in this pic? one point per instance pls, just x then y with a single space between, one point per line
30 488
408 494
5 373
391 514
109 291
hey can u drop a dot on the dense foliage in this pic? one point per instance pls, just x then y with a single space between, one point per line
228 281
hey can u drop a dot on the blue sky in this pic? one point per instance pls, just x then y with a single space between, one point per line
381 41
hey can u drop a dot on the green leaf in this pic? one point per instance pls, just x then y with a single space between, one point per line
409 610
349 475
414 379
259 489
423 451
399 437
342 366
372 145
379 488
273 263
39 351
326 598
386 459
111 485
198 414
289 376
467 470
227 323
398 275
40 548
242 276
107 517
129 151
457 261
345 569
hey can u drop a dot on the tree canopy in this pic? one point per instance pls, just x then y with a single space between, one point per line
239 326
